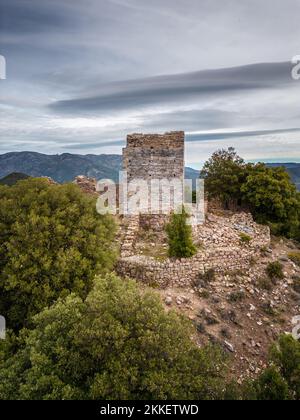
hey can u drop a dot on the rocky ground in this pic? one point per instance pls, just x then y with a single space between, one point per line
245 312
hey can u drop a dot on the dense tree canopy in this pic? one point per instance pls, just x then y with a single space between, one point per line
267 192
272 198
52 242
224 174
119 343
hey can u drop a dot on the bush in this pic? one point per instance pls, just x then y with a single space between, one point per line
296 284
286 357
271 386
265 284
208 276
245 239
118 344
275 270
224 173
236 296
52 242
295 257
180 236
281 380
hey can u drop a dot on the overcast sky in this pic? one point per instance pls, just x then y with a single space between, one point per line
81 74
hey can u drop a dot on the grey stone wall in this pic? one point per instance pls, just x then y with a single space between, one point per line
182 273
221 249
154 156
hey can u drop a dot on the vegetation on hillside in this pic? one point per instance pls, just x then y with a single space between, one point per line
267 192
118 343
281 380
77 331
52 242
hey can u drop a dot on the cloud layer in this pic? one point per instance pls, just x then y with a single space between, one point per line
81 75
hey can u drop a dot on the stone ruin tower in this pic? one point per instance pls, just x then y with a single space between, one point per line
150 157
154 156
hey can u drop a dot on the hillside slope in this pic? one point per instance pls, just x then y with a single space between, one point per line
65 167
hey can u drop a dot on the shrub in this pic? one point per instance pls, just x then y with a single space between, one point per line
265 284
245 239
268 309
268 193
295 257
180 236
296 284
286 357
208 276
237 296
271 386
275 270
118 344
52 242
204 279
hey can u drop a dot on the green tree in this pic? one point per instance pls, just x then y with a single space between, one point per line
281 380
271 386
119 343
224 174
180 236
286 357
52 242
267 192
272 198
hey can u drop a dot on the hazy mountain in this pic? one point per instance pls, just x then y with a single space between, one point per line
65 167
61 168
13 178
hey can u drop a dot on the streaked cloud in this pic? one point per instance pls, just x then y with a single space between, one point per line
81 75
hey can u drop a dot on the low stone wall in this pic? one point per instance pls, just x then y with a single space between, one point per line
221 249
183 272
156 222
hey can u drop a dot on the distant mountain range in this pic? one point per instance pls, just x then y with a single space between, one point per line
65 167
61 168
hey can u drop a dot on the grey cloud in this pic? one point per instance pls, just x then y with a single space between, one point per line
173 88
190 138
97 59
33 16
238 134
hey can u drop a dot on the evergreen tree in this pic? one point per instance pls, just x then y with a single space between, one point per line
52 242
180 236
117 344
224 173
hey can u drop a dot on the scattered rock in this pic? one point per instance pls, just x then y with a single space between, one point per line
168 300
229 346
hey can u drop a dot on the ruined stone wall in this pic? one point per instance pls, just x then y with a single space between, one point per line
220 248
182 273
157 160
154 156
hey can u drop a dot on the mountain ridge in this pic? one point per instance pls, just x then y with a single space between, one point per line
65 167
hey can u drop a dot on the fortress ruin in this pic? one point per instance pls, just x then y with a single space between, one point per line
154 156
154 167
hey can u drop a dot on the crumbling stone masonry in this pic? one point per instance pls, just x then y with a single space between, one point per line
156 163
221 250
154 156
182 273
